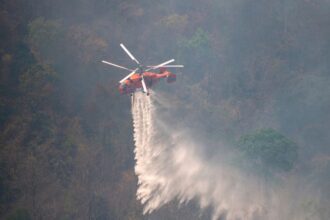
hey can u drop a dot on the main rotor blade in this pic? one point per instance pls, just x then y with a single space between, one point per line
144 86
129 53
112 64
161 65
171 66
129 75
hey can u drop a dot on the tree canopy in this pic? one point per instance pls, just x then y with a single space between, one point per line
269 150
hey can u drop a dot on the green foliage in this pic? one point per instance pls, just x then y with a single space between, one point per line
38 84
60 158
268 150
20 214
99 208
5 112
45 36
36 79
174 21
42 31
194 51
198 41
84 43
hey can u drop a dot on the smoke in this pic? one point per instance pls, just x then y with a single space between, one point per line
172 166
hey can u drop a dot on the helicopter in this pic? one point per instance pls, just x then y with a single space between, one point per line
142 78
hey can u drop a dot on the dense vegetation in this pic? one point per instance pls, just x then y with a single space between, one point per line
268 150
66 146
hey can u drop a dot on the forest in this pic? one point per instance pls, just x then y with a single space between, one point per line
256 78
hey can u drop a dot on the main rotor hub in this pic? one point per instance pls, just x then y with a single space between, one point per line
141 68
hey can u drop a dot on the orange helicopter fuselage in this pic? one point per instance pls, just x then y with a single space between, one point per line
134 82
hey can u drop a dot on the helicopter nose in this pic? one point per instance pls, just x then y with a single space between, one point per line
122 88
171 78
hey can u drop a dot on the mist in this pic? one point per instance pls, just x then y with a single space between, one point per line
172 165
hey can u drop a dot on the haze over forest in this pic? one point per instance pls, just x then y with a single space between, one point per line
254 96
